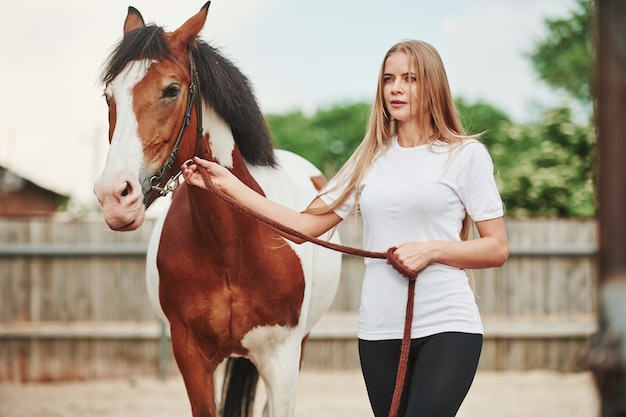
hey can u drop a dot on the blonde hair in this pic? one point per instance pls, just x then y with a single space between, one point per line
435 100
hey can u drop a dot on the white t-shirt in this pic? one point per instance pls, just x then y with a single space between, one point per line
418 194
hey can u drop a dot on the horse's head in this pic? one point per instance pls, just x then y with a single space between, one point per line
157 83
151 91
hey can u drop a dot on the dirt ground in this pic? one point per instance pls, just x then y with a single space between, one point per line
321 393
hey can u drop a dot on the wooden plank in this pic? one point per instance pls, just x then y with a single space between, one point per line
539 329
81 330
332 326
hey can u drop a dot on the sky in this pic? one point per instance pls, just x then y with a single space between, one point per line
299 55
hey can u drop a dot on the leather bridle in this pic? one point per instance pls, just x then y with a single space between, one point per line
192 98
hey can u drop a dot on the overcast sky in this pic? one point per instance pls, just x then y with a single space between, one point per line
298 54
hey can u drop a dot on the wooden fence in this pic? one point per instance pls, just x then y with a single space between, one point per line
73 303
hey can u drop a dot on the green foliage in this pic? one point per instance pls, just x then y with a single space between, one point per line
564 58
481 118
327 138
546 169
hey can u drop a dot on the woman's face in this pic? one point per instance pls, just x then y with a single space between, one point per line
400 89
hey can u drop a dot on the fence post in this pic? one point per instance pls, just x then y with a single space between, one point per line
607 355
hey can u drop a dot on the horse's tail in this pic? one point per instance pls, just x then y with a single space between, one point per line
240 382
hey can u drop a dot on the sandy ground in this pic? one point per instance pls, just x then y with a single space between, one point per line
321 393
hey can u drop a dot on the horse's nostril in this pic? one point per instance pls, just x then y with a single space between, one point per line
126 190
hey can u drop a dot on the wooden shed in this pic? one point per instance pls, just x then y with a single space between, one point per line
20 197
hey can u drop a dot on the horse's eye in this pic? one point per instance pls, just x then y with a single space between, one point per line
171 91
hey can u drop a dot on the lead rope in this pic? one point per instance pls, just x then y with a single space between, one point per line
389 255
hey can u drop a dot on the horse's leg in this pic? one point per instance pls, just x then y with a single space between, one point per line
280 370
302 344
196 371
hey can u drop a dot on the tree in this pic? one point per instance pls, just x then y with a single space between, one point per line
554 173
564 58
327 138
481 117
544 169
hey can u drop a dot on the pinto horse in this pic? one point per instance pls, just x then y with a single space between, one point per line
229 286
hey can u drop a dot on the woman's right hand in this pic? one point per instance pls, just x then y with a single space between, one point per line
219 175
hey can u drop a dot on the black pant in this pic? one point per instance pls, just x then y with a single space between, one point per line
440 372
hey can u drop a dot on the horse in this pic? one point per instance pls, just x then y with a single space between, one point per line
233 290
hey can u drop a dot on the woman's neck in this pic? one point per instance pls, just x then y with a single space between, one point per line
410 135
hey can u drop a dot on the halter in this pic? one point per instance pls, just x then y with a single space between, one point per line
193 96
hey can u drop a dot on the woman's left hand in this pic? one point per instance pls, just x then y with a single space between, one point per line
416 255
489 251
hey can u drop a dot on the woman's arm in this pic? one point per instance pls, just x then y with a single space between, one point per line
490 250
226 182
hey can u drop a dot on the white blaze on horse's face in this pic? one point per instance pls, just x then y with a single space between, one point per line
126 148
118 188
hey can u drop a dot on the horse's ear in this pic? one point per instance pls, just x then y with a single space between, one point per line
188 32
133 21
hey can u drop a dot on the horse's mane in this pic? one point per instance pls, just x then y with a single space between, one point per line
222 86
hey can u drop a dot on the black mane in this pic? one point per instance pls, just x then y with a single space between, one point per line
222 86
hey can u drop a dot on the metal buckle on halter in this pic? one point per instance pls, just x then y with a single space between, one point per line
169 186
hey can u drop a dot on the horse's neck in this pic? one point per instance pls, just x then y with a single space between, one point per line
221 142
217 219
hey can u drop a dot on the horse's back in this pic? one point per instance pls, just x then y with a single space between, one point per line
290 183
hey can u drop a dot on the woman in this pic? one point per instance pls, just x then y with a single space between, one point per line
417 179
